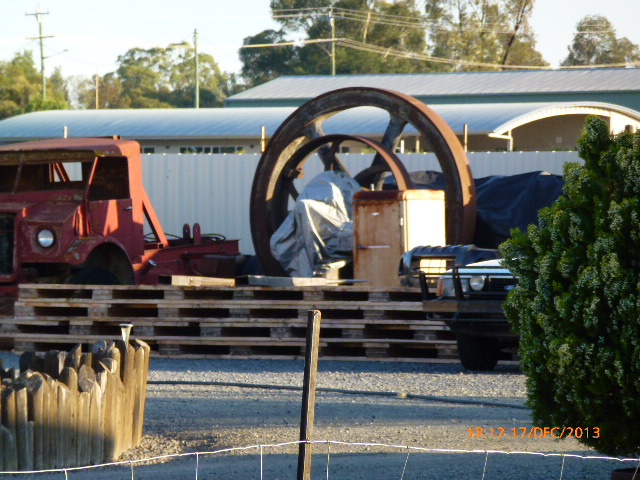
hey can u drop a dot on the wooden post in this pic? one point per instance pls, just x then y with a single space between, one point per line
69 377
49 412
128 379
309 394
74 356
24 442
135 394
95 411
10 453
36 385
7 446
84 446
111 372
26 360
3 432
63 425
141 369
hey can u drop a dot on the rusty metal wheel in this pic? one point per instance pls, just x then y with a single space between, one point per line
302 133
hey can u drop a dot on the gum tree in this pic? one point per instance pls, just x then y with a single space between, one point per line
577 305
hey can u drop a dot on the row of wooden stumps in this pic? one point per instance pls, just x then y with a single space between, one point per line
66 409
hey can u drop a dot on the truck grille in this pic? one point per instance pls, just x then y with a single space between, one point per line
500 284
7 226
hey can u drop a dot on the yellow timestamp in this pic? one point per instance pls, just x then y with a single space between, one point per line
534 432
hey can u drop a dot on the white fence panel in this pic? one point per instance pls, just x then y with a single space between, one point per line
214 190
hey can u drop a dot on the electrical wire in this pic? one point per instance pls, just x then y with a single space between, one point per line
418 22
418 56
288 44
388 51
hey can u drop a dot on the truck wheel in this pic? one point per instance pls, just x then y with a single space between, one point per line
94 276
477 353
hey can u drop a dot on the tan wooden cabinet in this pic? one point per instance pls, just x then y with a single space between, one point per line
388 223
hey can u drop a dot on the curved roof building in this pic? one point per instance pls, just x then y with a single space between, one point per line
481 127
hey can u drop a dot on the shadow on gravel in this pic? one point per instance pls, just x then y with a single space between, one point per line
297 366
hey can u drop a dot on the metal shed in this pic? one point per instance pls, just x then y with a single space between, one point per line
489 127
610 85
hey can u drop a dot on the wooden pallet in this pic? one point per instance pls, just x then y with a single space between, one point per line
247 321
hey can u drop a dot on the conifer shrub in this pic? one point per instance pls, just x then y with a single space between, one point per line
577 304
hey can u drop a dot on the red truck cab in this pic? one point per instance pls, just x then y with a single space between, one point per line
75 211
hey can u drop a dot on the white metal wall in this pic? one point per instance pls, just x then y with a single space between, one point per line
214 190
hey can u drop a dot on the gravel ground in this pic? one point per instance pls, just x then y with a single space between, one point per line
183 419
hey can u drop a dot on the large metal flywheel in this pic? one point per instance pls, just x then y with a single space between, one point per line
301 134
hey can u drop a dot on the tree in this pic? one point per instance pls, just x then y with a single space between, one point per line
577 304
368 27
595 43
21 87
158 78
260 65
483 32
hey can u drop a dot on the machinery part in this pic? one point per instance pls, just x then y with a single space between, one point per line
477 353
369 175
273 181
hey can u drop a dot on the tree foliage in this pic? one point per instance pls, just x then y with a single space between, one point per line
595 43
158 78
260 65
376 36
577 305
493 32
365 22
21 87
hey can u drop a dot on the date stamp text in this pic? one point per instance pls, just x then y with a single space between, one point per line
534 432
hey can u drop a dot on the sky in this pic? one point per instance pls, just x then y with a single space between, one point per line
88 35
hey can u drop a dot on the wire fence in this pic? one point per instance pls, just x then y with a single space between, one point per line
330 449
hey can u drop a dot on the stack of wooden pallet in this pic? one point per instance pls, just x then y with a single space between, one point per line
243 321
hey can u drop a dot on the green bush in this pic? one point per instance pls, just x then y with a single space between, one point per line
577 307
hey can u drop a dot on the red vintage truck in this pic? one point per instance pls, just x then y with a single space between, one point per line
75 211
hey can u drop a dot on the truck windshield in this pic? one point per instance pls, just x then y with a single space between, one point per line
36 177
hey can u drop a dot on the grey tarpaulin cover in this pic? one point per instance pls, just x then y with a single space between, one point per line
319 229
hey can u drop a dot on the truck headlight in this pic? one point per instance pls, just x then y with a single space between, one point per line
476 282
46 238
446 288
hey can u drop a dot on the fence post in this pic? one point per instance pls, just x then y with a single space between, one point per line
9 420
309 394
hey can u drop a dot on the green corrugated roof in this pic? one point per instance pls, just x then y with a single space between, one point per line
516 86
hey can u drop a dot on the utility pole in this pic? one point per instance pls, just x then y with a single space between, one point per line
197 73
97 77
38 14
332 20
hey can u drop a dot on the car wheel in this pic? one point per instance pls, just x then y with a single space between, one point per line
477 353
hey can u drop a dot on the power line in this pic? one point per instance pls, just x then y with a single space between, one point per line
291 43
387 51
420 22
417 56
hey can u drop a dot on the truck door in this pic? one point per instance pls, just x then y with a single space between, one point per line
110 205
